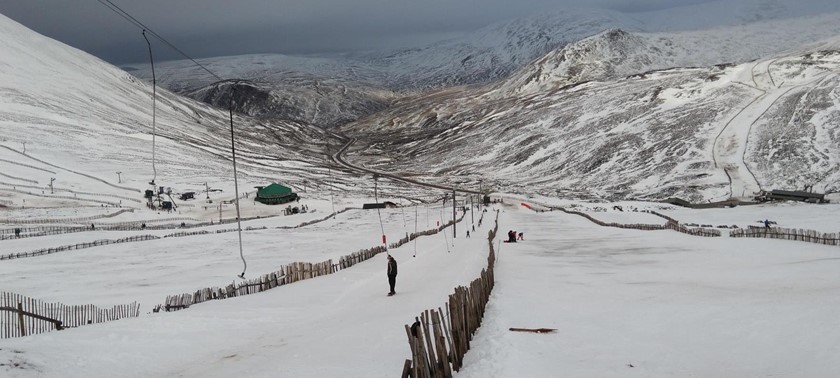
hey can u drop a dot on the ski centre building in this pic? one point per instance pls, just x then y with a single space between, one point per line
275 194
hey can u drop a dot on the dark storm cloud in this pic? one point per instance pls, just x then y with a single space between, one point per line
223 27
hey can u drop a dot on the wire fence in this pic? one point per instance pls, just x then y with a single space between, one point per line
70 247
59 220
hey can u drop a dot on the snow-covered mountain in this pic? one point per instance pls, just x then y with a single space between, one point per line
70 109
617 53
494 51
608 103
317 90
697 133
330 91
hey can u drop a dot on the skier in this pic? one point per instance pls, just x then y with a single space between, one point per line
468 233
766 223
521 236
392 274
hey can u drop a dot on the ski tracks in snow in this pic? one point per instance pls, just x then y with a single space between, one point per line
730 146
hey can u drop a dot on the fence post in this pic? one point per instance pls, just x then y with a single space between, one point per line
20 320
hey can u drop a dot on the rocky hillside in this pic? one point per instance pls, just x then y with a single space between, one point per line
334 90
697 133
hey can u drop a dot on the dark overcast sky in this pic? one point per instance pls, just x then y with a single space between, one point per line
229 27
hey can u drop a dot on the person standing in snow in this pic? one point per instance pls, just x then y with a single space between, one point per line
766 223
392 274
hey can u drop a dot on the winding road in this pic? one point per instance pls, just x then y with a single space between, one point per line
338 158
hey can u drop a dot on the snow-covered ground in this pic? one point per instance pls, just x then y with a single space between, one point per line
148 271
666 303
340 325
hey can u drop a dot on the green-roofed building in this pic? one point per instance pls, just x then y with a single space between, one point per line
275 194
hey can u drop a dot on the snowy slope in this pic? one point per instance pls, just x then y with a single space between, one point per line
82 120
700 133
323 91
631 304
334 90
617 53
711 306
495 51
732 13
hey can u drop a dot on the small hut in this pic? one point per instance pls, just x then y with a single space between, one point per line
275 194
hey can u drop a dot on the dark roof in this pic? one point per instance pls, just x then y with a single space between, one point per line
796 193
373 206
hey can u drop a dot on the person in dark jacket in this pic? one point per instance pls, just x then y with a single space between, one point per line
392 273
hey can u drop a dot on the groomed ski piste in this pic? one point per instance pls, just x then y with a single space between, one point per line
624 302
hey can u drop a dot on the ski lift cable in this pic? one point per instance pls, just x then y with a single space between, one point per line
236 182
128 17
378 212
415 230
445 239
154 106
329 173
405 224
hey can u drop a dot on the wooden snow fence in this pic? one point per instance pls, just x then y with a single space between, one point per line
23 316
439 339
62 220
354 258
309 223
645 227
97 243
809 236
34 232
705 232
658 214
671 224
290 273
287 274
